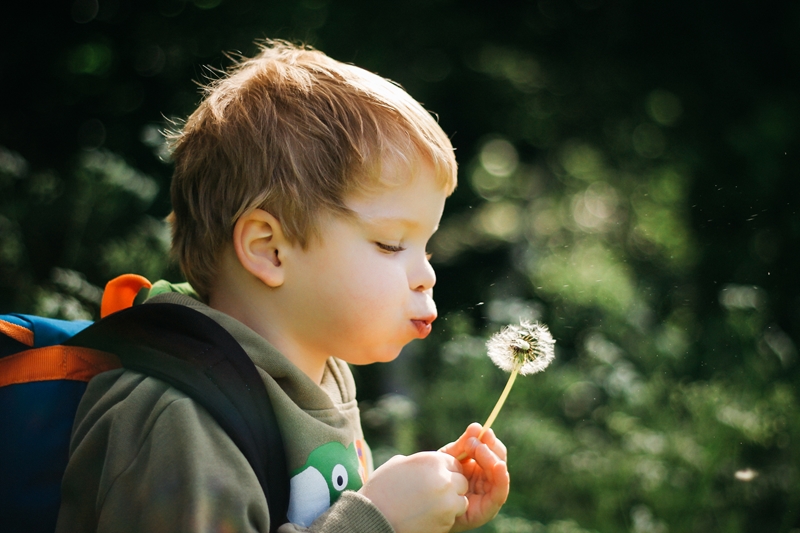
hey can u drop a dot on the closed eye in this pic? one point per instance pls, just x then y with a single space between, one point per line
389 247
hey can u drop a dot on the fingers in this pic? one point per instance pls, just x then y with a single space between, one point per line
458 447
486 458
502 484
495 472
460 484
482 455
465 506
473 430
494 444
451 463
453 472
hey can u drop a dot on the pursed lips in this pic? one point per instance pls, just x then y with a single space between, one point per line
423 325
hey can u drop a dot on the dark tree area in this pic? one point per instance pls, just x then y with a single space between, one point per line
628 176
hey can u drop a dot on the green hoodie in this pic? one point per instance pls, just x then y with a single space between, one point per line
145 457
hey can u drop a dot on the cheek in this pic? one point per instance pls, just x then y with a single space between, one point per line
343 282
369 287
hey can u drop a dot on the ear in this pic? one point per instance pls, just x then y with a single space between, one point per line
259 243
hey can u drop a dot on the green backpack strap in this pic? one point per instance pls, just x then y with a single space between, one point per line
197 356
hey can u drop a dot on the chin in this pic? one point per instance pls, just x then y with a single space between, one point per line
386 355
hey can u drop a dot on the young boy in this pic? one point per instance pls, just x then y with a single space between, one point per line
304 194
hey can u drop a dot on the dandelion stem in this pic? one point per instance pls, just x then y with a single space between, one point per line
500 402
497 407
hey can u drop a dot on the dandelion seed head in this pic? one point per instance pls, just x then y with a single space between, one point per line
528 346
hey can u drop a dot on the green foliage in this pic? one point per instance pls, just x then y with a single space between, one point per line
627 177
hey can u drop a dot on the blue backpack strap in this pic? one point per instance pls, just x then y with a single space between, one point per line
22 332
194 354
44 331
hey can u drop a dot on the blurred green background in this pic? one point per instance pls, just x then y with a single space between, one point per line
628 176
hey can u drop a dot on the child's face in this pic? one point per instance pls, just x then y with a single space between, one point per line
365 289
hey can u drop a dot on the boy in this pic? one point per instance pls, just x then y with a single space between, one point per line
304 194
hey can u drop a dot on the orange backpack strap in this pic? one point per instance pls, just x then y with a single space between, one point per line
18 333
55 362
121 292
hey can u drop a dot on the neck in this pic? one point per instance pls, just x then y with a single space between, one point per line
255 305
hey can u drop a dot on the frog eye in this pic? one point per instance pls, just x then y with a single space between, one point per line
339 477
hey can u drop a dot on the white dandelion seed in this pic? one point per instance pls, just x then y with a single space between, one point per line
527 348
524 349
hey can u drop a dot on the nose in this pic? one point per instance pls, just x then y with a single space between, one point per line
422 277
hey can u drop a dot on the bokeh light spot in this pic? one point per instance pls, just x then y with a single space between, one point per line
582 161
664 107
91 58
500 220
595 208
499 157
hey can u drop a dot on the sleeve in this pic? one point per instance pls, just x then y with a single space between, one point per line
158 462
187 476
352 513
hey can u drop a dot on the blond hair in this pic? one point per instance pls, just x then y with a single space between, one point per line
293 132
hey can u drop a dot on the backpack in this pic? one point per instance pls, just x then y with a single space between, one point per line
45 365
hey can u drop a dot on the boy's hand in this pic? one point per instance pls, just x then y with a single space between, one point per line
486 471
420 493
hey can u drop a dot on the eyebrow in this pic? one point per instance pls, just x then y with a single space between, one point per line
390 220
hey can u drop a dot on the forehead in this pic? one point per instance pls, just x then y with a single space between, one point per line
418 200
398 165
